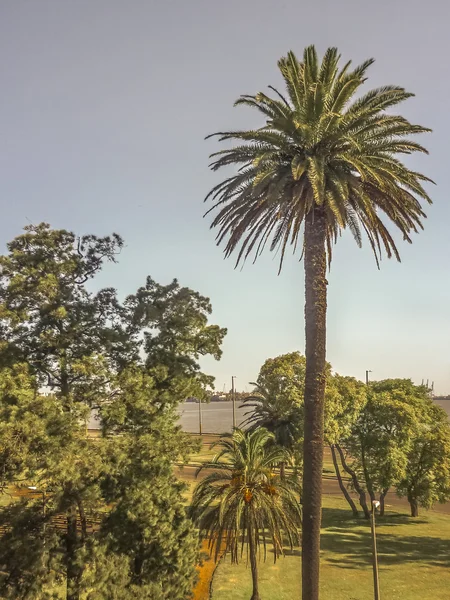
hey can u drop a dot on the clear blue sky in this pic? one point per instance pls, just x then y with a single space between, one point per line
104 107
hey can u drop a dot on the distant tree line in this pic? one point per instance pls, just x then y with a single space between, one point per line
386 436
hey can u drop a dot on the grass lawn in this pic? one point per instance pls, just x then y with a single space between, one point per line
414 560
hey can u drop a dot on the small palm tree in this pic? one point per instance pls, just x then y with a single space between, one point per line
322 161
264 411
243 502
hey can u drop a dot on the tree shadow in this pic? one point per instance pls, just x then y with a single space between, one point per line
341 518
353 549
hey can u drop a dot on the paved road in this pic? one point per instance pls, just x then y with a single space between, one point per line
330 487
217 417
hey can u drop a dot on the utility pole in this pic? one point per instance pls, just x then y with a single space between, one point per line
367 377
200 416
233 397
376 583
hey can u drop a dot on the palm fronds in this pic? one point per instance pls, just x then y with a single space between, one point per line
322 143
242 496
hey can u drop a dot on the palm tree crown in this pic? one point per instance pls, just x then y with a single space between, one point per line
243 499
320 146
265 411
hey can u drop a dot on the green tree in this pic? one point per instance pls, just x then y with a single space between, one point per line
148 521
44 446
68 336
345 398
427 476
327 158
92 349
382 437
277 401
243 501
173 322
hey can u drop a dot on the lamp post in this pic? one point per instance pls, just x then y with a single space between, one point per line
233 397
376 583
367 376
200 416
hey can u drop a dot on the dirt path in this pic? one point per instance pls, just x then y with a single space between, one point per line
205 575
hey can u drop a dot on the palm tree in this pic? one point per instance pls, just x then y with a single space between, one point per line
323 160
265 411
242 500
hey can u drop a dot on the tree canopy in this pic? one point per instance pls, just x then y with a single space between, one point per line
108 512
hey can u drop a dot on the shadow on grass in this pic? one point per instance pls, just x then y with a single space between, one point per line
341 518
352 549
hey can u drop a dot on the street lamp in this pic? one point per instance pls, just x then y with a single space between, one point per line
376 583
367 377
200 416
233 396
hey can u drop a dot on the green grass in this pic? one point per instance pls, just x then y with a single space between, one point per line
414 559
5 499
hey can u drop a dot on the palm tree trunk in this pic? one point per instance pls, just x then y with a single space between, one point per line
253 564
341 483
315 333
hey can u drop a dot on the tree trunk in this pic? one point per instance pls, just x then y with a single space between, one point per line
83 519
382 497
283 470
366 475
73 570
356 484
253 564
315 335
138 564
64 377
414 506
341 483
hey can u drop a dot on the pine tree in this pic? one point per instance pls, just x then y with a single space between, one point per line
133 362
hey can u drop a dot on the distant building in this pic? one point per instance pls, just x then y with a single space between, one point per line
218 398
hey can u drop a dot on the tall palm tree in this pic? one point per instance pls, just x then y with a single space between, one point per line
324 159
242 500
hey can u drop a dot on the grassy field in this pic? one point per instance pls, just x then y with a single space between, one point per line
414 557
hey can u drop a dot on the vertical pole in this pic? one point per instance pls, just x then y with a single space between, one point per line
376 584
43 513
200 416
233 397
367 377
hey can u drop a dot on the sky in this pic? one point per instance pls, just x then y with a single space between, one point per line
104 109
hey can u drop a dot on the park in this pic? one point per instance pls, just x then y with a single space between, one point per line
272 426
